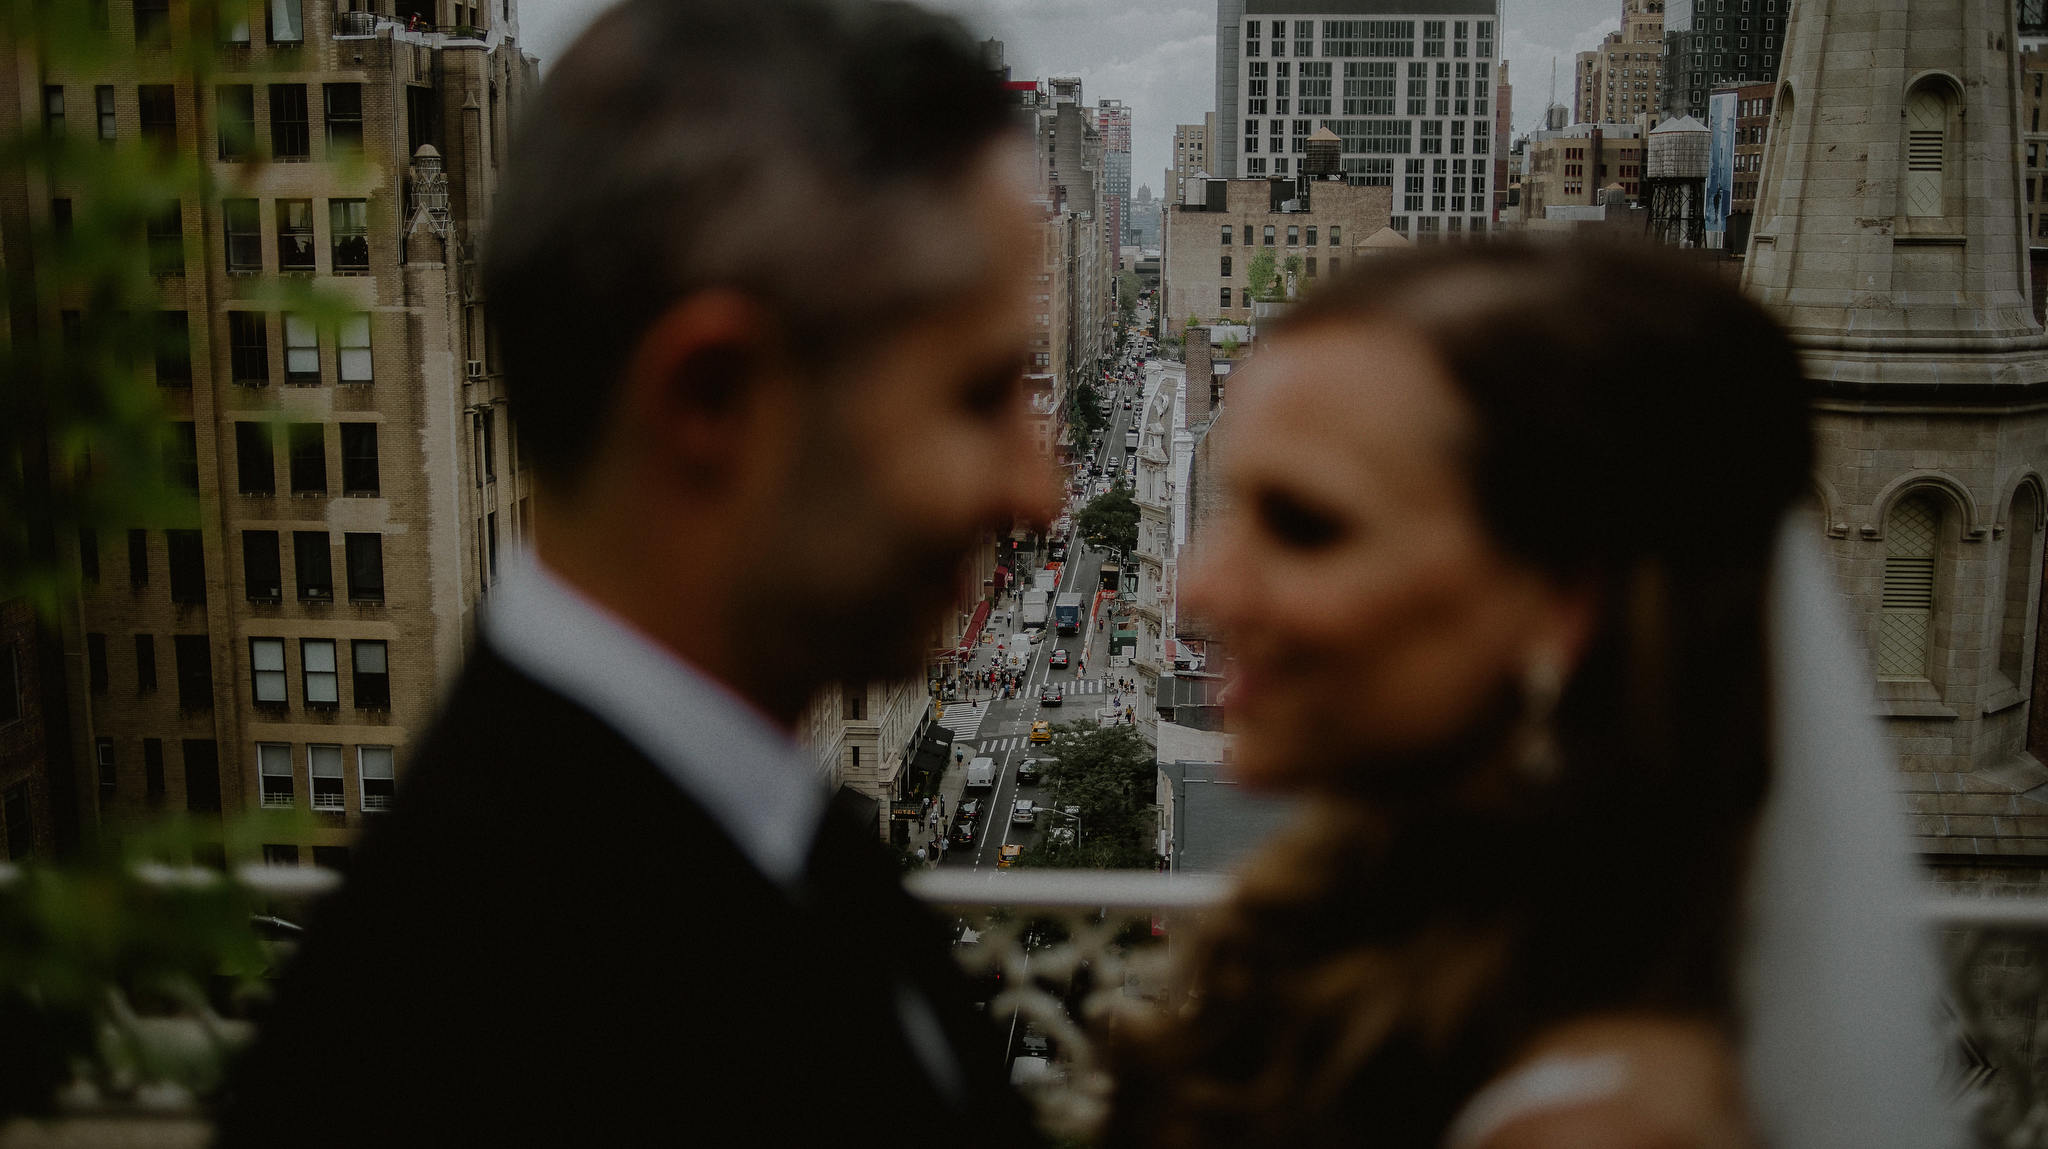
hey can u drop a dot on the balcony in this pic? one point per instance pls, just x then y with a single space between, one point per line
1077 951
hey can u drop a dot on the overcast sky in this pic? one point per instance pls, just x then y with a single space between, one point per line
1159 56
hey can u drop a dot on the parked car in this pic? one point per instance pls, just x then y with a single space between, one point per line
963 833
1022 813
970 809
1051 695
1041 732
1060 657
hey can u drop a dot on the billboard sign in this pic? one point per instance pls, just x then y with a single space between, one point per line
1720 162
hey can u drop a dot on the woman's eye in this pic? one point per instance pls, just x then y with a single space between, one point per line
1296 525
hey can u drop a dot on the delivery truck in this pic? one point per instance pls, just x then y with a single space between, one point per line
981 773
1067 613
1036 605
1047 581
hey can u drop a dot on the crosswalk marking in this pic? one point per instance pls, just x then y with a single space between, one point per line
964 719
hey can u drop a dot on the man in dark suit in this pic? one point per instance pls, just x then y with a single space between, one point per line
760 276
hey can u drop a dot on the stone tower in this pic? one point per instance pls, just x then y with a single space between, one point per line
1889 239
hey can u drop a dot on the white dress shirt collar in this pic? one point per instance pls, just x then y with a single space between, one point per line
748 775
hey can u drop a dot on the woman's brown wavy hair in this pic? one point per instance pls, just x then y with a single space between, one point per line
1641 429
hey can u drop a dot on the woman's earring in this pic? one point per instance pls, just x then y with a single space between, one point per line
1542 685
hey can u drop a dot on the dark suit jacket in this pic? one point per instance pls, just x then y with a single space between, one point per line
547 942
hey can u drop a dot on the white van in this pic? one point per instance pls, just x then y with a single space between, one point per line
981 773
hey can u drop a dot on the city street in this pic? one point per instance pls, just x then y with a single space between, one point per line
1001 729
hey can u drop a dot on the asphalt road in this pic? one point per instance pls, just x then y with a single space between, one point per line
1006 728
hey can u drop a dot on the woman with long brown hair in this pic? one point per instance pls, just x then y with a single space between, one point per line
1493 576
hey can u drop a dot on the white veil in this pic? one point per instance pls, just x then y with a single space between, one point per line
1840 982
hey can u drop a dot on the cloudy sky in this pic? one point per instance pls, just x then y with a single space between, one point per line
1159 56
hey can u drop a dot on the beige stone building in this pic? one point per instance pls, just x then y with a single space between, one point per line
1194 155
1887 237
1569 167
1209 245
1618 81
358 481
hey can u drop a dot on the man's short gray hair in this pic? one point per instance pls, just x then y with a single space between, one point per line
796 150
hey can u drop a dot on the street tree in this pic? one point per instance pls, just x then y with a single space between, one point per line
1263 275
1106 773
1110 520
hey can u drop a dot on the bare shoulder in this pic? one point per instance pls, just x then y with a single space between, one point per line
1620 1082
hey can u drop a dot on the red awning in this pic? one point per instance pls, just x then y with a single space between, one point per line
973 634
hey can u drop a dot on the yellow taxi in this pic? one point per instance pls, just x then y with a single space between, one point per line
1041 732
1007 855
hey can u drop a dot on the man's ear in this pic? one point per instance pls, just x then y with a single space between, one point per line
687 388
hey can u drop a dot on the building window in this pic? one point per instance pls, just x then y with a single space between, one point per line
280 854
248 347
371 663
145 663
181 456
365 553
158 108
96 662
262 568
14 808
1226 235
379 781
13 707
164 234
1911 538
1223 298
153 767
236 120
359 459
274 768
349 233
1226 267
1269 235
53 109
173 350
353 342
295 235
301 351
267 675
1293 236
1311 267
343 105
138 558
202 778
307 444
287 20
194 656
313 563
103 757
188 566
2022 563
321 685
244 233
291 128
1926 151
324 764
1311 240
1337 232
255 459
103 101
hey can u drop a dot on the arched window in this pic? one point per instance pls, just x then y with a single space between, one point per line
2022 571
1911 540
1926 151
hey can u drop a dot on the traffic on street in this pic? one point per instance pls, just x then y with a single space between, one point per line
1062 676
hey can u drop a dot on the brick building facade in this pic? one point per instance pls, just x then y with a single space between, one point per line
355 472
1209 246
